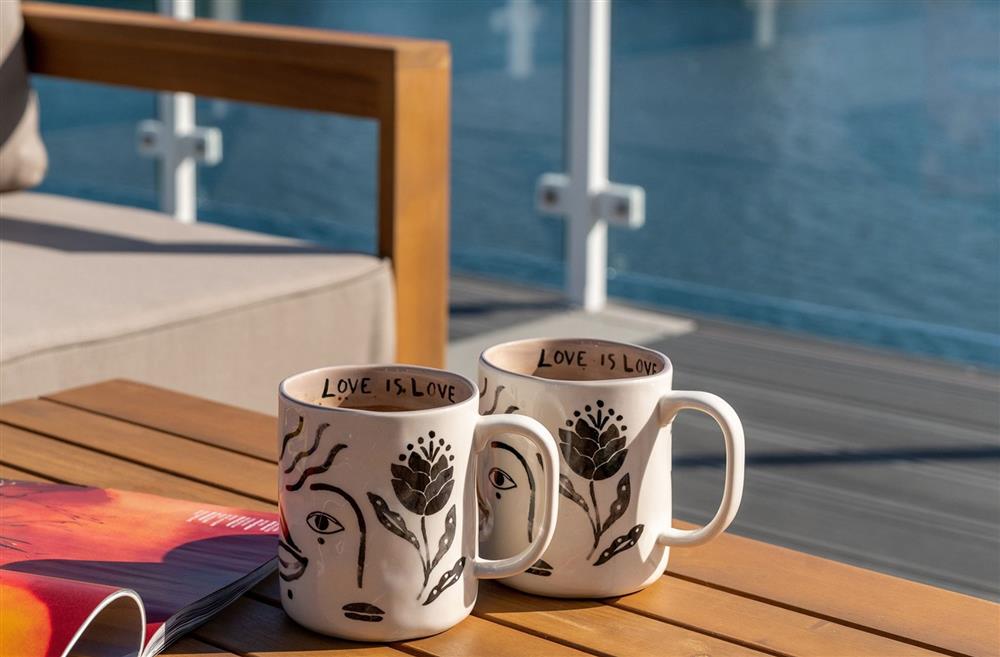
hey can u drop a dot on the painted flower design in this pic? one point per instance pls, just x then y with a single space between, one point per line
423 483
594 445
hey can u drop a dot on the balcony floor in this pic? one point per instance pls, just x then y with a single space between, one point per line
859 455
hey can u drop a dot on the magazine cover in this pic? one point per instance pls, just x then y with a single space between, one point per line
106 572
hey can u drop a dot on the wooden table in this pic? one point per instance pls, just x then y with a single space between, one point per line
733 596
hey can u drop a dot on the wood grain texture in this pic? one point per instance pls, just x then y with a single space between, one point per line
296 67
190 459
591 625
922 615
413 208
757 624
473 636
188 647
9 472
207 422
60 461
250 627
402 83
861 378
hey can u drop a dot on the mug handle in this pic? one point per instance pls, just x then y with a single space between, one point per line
732 432
490 426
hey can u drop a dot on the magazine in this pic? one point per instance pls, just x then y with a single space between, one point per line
108 573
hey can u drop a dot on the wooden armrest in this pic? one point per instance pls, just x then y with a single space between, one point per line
404 84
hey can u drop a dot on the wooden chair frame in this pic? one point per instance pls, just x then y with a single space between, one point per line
404 84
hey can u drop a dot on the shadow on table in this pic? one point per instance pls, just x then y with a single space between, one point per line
256 624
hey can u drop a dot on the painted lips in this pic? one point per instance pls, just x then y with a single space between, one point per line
362 611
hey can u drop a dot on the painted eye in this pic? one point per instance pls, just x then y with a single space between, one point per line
324 523
501 479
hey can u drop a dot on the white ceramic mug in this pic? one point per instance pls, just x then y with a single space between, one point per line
611 405
377 494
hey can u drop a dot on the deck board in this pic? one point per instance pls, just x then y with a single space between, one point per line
862 455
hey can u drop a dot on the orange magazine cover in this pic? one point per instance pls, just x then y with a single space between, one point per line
105 572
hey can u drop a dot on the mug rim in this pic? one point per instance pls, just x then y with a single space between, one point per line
472 398
668 367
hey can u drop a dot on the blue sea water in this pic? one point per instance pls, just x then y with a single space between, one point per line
844 181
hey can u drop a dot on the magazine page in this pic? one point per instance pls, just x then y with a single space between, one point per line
174 554
49 617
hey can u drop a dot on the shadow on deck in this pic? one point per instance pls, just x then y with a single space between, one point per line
858 455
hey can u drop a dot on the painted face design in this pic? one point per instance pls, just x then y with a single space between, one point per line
511 480
513 486
329 526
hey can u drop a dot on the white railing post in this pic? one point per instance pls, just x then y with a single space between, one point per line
178 174
765 25
589 73
177 141
584 196
520 20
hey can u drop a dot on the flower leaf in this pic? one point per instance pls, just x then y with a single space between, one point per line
541 568
620 544
446 538
392 520
446 580
566 490
620 504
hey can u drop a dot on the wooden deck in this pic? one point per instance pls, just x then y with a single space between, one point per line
862 456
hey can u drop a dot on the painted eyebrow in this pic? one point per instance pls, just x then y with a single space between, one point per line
330 488
312 448
531 482
316 469
289 436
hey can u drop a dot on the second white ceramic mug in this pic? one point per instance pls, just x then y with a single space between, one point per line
377 499
611 406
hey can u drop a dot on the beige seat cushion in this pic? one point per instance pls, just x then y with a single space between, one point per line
22 154
91 291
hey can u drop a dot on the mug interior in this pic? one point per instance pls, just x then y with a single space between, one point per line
576 359
378 388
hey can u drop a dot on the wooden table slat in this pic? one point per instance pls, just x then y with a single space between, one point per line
188 647
250 627
758 624
67 463
211 465
584 625
199 419
476 636
921 614
9 472
473 636
590 624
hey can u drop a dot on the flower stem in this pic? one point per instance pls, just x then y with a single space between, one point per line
597 517
427 564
